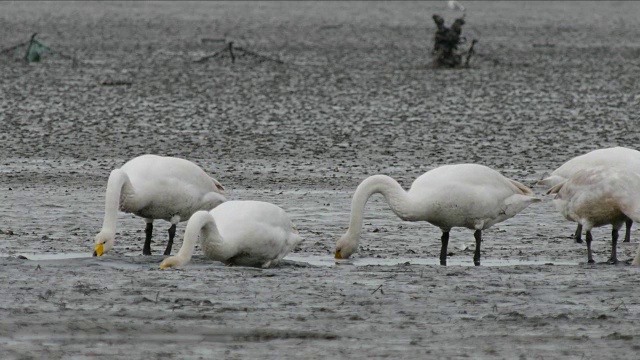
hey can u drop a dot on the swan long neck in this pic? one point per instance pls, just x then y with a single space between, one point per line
117 185
202 225
394 194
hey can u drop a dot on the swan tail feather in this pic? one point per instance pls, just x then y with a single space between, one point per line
555 189
522 188
218 185
551 181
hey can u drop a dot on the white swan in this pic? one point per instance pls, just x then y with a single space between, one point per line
464 195
245 233
615 157
156 187
599 196
454 5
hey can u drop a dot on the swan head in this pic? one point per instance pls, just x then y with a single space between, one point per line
346 246
103 243
172 262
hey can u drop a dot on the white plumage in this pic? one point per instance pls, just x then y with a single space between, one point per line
463 195
610 157
615 156
245 233
156 187
599 196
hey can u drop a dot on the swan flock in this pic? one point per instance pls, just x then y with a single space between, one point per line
595 189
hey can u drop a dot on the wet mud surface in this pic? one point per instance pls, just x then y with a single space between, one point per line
355 97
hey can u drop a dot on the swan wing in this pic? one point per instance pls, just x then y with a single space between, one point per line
166 187
609 157
470 195
153 169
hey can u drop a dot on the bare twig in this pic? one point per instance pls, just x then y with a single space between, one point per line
233 58
210 56
13 47
259 55
111 82
230 48
378 288
470 52
621 304
26 55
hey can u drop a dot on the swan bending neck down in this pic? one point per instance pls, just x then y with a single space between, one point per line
156 187
463 195
245 233
600 196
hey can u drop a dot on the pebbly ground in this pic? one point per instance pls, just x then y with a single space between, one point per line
355 97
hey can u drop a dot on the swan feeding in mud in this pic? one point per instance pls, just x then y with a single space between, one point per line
600 196
462 195
244 233
156 187
611 157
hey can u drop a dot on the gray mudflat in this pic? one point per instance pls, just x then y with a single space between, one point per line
355 97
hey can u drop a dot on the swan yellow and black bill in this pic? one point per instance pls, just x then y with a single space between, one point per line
99 250
338 254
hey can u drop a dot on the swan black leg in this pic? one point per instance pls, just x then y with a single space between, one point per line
146 250
614 247
476 255
172 234
443 248
578 234
627 235
589 255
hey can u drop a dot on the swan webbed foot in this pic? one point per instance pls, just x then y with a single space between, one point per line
613 261
172 234
146 250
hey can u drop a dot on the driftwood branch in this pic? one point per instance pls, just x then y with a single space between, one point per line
470 52
11 48
26 54
229 46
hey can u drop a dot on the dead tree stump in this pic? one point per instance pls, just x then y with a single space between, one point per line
446 42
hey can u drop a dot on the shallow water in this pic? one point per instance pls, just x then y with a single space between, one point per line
328 261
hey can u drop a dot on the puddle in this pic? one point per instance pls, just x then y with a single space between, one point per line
327 261
330 261
59 256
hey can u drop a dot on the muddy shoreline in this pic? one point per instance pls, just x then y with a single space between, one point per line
354 97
